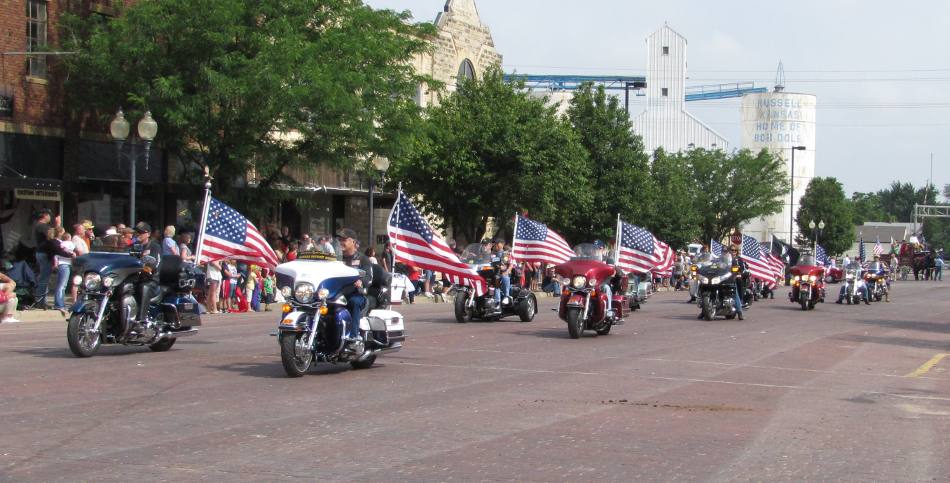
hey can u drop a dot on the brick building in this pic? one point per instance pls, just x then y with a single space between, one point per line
46 161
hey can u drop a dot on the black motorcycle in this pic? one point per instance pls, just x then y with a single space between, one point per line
717 290
114 285
469 306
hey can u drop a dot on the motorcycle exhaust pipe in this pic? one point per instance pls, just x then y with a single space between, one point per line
183 333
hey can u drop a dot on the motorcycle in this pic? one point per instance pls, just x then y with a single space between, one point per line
853 286
112 287
876 279
470 306
583 302
717 289
313 320
808 284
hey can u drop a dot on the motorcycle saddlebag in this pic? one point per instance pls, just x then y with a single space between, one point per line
388 321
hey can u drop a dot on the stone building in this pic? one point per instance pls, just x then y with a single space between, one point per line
463 49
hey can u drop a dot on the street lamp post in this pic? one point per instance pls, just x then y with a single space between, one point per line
791 197
380 165
119 129
817 232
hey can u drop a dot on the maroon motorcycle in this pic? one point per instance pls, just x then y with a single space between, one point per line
587 283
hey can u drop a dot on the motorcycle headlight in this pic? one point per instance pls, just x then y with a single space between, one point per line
324 293
704 280
579 281
92 282
109 280
797 278
715 280
285 291
813 278
592 282
303 293
77 280
565 281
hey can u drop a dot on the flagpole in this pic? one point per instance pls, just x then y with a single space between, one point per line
204 216
396 207
513 238
617 241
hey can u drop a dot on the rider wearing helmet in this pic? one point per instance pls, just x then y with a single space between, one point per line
733 258
605 286
355 301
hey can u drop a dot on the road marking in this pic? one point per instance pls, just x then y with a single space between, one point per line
927 365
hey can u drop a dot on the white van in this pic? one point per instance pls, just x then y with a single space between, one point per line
694 249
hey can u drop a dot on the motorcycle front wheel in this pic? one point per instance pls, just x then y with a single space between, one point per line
707 308
461 314
575 323
527 309
83 342
803 300
294 356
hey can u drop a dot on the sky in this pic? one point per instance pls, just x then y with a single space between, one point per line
881 70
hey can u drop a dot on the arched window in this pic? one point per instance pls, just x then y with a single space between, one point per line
466 70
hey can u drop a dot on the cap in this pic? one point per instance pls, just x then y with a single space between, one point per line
499 239
111 231
88 224
346 233
143 227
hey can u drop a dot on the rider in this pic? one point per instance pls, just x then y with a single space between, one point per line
355 301
151 254
605 286
501 259
858 281
733 258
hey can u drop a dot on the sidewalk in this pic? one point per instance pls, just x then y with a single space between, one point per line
39 316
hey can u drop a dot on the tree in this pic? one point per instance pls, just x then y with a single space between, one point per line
270 86
729 189
869 207
824 200
671 214
490 149
618 166
898 200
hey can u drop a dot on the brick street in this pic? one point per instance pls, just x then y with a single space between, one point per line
838 393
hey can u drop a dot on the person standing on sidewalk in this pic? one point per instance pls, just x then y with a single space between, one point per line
8 299
44 260
62 263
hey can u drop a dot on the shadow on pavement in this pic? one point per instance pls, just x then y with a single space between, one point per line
105 351
901 341
941 328
274 370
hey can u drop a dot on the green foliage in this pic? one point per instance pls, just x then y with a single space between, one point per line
492 150
868 207
670 212
824 200
618 169
228 79
937 233
729 189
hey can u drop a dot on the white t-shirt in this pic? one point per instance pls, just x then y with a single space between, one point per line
80 243
69 247
214 273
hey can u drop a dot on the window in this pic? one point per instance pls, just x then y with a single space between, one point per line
665 92
666 50
36 24
466 70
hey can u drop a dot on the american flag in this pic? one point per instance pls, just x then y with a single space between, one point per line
535 242
751 252
822 256
225 233
417 244
774 262
641 252
878 248
716 248
861 253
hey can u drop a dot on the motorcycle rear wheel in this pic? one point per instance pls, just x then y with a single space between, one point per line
295 365
575 324
527 308
163 345
81 342
364 364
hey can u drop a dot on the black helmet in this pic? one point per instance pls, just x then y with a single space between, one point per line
143 227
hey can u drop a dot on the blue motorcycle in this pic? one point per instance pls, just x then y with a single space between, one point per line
114 285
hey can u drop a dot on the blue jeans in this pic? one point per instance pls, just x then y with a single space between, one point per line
738 300
44 263
355 304
939 274
505 287
62 281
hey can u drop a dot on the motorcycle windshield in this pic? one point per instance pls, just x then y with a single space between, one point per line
98 261
587 251
333 276
715 268
476 254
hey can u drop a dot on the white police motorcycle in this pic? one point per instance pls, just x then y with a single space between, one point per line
313 322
